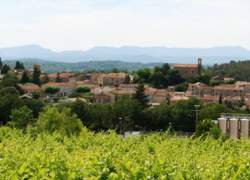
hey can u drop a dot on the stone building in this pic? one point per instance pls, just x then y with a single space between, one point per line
111 79
199 89
189 70
64 77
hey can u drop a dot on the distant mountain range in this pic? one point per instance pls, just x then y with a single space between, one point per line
130 54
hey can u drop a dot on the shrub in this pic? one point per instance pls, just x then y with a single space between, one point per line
36 95
51 120
215 132
52 90
21 118
83 89
203 127
207 127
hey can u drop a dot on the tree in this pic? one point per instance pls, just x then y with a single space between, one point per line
220 99
52 90
79 108
51 120
184 115
58 78
127 113
36 95
143 75
35 105
9 80
18 65
165 68
174 77
36 75
21 118
158 80
8 91
181 87
5 69
158 118
8 99
46 79
83 89
1 65
140 95
25 78
203 127
213 111
101 117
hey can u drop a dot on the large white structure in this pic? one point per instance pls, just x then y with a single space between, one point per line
235 125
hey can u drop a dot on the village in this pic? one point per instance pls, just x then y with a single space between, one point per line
105 88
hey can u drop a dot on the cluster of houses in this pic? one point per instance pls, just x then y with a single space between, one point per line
106 87
236 93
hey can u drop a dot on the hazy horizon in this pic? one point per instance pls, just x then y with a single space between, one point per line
121 46
82 24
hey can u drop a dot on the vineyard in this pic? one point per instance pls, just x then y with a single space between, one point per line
110 156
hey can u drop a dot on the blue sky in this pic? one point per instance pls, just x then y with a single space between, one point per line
82 24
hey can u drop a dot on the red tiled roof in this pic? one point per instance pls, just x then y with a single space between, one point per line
62 84
186 66
114 75
227 87
30 87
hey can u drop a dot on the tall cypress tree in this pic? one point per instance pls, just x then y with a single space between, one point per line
5 69
36 75
25 78
58 78
140 95
1 65
17 65
46 79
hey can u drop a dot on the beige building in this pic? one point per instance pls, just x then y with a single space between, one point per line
111 79
178 96
103 98
125 90
65 88
228 91
157 96
199 89
189 70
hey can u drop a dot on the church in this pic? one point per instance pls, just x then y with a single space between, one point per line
189 70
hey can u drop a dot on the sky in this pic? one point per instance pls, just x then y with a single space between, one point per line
83 24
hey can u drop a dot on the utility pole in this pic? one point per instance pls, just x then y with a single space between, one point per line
196 115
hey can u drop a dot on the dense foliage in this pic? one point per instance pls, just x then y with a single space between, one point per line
159 77
238 70
51 120
52 90
109 156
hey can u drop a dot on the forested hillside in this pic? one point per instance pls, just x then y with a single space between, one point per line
240 70
51 67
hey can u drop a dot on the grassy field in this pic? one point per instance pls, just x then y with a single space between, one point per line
109 156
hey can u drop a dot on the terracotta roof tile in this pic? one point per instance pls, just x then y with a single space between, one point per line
186 66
